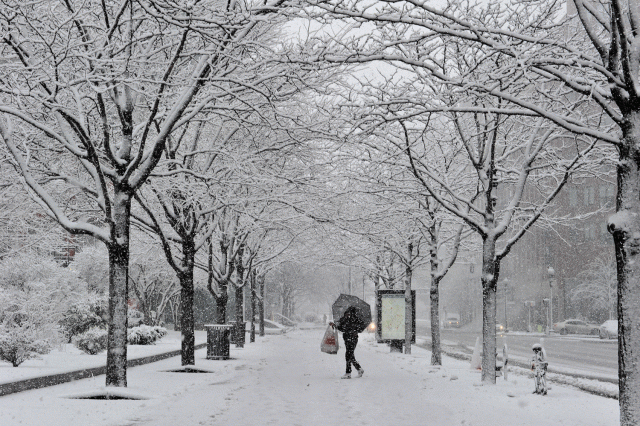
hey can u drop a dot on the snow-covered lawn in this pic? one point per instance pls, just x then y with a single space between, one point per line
69 358
286 380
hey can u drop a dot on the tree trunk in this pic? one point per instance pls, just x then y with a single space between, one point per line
239 317
118 291
489 279
261 304
221 303
625 227
434 296
186 303
408 302
239 300
252 338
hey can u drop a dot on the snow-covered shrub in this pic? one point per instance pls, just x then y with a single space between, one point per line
37 291
92 341
134 317
92 267
25 326
145 335
20 343
83 316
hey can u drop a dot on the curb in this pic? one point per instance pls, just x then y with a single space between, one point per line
466 357
56 379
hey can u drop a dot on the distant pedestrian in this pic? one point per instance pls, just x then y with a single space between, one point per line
349 325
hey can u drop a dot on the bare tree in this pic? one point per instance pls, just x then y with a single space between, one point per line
497 61
151 280
596 287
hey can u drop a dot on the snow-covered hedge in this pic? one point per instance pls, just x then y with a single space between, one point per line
145 335
92 341
83 316
18 344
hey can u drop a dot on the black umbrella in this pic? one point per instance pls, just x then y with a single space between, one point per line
362 309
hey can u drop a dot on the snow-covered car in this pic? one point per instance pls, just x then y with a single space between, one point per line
575 326
270 327
452 322
609 329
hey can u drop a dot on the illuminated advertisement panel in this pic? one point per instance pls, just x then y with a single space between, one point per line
391 315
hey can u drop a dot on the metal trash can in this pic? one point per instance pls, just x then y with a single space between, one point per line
238 333
218 340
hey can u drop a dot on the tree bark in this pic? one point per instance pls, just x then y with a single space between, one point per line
221 304
625 227
240 329
252 337
239 298
118 291
489 279
434 296
261 303
408 301
186 303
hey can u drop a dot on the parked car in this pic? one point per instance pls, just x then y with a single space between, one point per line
575 326
270 327
609 329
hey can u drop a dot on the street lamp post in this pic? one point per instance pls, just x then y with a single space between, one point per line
529 304
551 272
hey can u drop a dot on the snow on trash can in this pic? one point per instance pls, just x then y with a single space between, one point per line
218 340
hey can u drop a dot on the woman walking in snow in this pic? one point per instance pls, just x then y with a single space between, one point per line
349 325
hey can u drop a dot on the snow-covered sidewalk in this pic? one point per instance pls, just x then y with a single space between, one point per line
286 380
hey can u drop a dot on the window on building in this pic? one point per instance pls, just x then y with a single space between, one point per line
585 198
589 195
607 195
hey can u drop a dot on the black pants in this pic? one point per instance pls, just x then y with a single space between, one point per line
350 343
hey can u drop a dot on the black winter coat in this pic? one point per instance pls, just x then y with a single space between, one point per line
349 325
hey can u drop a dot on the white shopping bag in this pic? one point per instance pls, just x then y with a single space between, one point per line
330 341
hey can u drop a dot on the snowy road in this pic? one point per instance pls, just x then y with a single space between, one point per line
584 354
286 380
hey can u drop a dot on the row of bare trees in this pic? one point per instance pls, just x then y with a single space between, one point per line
456 121
530 92
160 114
